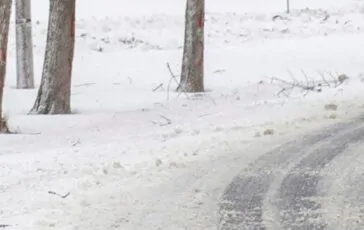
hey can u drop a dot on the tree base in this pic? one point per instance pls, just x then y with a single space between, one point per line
47 106
49 111
184 87
4 128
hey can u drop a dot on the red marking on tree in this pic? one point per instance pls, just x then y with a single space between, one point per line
200 19
198 62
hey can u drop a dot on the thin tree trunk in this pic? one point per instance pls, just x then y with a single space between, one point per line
24 45
192 71
54 94
5 11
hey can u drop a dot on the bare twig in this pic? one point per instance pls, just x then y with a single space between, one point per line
170 80
306 77
310 83
62 196
85 84
173 77
158 87
289 85
292 75
4 225
323 78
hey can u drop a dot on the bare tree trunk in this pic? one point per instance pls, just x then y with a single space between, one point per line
54 94
192 72
24 45
288 6
5 11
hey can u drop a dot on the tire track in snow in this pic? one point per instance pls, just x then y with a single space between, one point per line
300 197
345 188
243 203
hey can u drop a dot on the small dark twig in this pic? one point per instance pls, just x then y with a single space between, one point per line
173 77
62 196
275 17
292 76
4 225
327 16
167 119
306 77
158 87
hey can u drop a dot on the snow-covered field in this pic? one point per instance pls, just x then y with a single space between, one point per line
135 154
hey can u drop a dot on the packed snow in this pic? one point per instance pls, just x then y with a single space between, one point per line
137 155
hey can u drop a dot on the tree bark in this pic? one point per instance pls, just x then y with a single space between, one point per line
5 11
24 45
54 94
192 71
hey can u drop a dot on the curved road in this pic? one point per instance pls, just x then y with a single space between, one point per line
316 182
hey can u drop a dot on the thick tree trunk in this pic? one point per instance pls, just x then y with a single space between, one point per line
24 45
54 94
192 72
5 11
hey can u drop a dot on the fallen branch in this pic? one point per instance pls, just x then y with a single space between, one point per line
4 225
292 85
310 84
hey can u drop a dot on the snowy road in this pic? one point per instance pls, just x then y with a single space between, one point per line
310 183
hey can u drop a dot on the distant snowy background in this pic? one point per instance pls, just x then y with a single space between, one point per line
136 158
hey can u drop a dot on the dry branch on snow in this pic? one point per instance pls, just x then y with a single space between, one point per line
328 80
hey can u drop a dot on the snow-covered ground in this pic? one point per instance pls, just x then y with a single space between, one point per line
135 154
